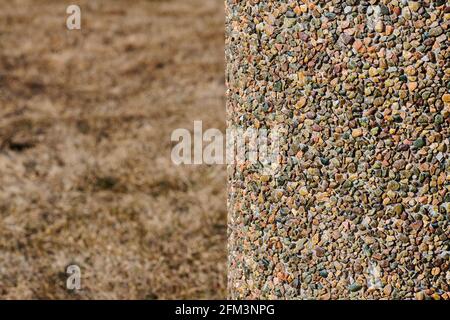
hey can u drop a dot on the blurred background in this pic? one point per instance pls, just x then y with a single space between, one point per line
85 171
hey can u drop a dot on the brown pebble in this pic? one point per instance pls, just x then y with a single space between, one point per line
387 290
357 133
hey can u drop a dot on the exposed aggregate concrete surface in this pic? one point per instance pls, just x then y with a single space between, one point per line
358 206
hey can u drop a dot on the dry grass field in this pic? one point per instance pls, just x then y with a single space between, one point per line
85 170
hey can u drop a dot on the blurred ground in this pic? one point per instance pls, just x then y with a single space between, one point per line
85 170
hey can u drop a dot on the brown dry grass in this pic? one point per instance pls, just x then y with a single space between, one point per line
85 170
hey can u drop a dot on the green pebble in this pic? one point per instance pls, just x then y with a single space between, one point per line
438 119
419 143
374 131
323 273
354 287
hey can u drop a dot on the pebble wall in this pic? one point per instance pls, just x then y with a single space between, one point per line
358 206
